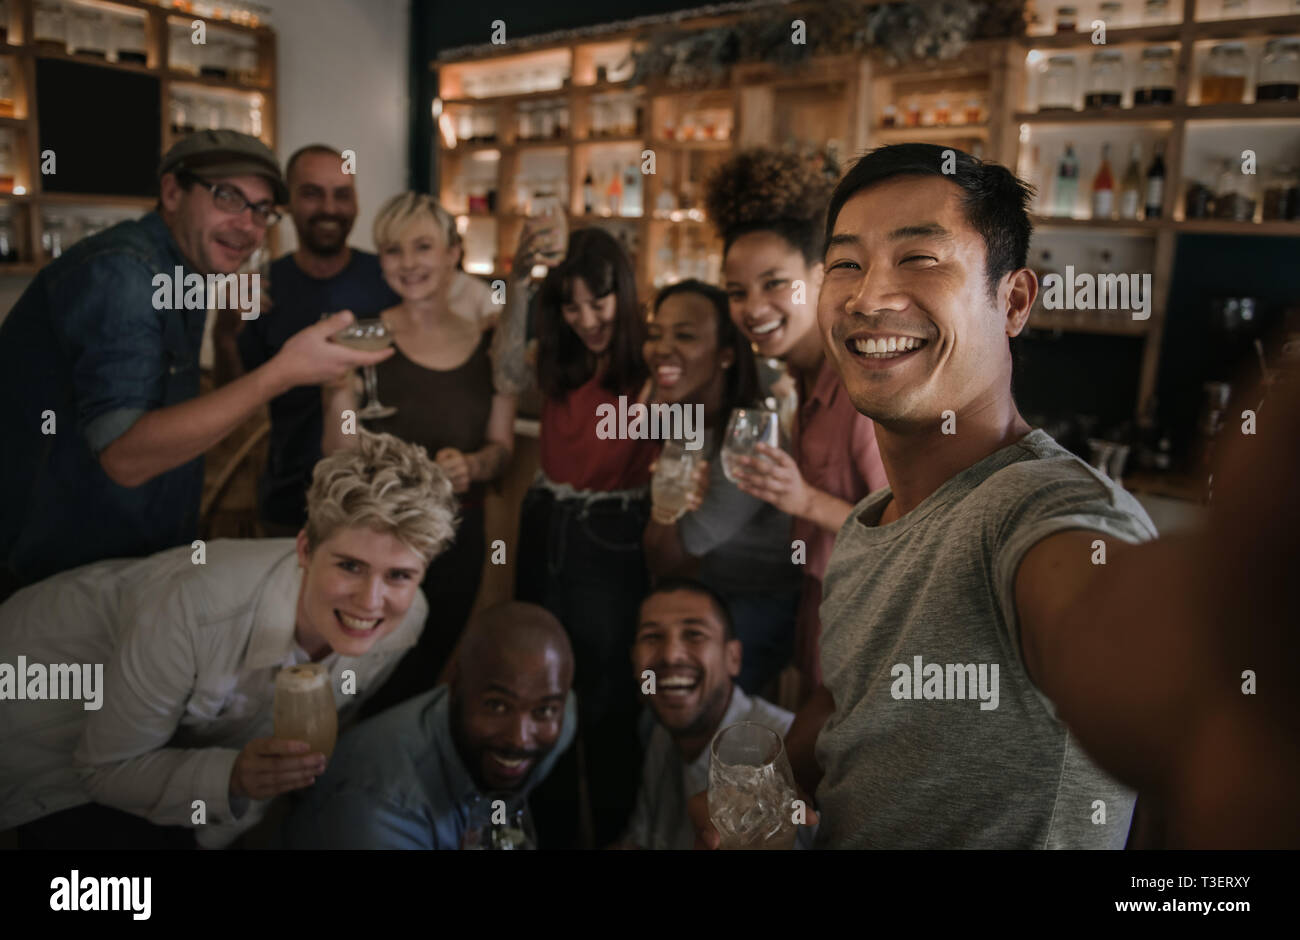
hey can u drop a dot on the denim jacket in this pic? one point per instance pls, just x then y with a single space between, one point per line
396 781
83 354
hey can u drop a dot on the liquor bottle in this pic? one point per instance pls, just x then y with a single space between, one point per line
1155 195
588 194
1130 191
614 193
1067 183
1103 187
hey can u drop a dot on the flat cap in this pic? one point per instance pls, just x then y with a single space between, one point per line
212 154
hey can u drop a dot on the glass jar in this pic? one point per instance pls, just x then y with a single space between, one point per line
1067 19
182 54
1223 77
129 38
1155 11
1110 14
1156 77
973 111
247 66
1056 91
942 112
181 110
546 120
1279 71
214 58
523 117
912 116
49 29
1105 80
1234 197
6 87
53 236
889 116
86 31
1281 195
8 241
1198 201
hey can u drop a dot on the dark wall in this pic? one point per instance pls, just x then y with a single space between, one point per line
464 24
1196 348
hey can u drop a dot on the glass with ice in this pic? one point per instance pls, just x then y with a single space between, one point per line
751 788
672 482
746 428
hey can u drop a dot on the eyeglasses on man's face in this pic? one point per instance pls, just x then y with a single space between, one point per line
229 199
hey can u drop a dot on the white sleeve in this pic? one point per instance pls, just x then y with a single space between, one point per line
122 757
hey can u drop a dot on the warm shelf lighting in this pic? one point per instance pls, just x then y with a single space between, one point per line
437 108
20 190
478 267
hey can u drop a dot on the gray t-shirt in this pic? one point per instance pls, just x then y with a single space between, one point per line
743 543
969 758
659 820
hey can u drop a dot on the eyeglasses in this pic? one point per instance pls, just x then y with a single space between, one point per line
229 199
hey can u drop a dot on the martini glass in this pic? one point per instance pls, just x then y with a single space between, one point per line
369 336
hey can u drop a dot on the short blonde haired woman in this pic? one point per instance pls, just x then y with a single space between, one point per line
190 641
441 381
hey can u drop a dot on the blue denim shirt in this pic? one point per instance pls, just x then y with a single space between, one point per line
397 782
85 343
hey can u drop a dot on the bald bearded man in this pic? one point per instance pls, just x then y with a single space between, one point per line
411 777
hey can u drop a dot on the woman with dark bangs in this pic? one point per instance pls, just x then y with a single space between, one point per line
735 543
580 528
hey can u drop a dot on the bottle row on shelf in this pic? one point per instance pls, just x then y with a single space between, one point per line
1273 195
934 111
59 231
226 56
189 111
617 114
1072 18
1139 195
93 30
1224 77
1245 197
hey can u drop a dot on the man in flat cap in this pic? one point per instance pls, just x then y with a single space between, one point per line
103 424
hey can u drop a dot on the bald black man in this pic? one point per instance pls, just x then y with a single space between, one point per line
410 778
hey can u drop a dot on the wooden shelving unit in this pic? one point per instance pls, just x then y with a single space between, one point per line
27 206
757 105
845 99
1173 122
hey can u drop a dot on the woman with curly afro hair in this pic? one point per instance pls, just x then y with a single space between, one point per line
770 209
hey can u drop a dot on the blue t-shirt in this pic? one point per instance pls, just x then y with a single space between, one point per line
297 301
83 355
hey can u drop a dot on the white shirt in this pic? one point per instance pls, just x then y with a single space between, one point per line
190 654
659 820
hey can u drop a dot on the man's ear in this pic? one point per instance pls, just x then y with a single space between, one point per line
170 192
731 655
1021 291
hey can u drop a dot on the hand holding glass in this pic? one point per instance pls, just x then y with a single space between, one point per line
751 788
304 707
746 428
368 336
672 483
